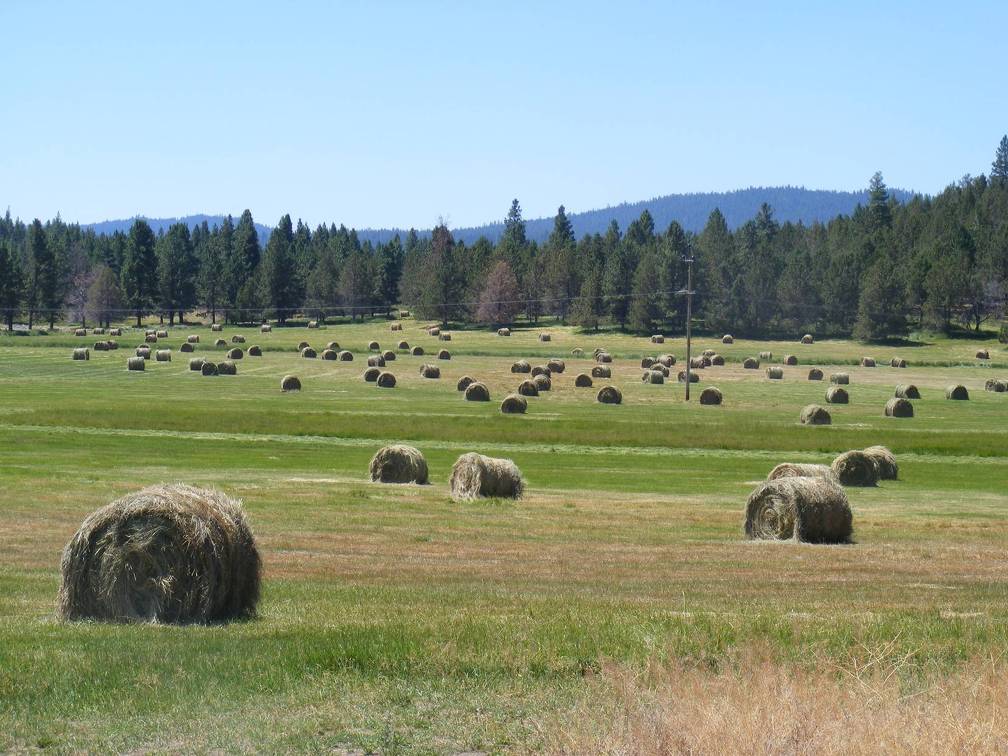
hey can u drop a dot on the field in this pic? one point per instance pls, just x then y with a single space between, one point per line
396 620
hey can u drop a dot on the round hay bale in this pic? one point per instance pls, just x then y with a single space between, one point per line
417 351
654 377
345 355
464 382
290 383
388 355
867 362
775 373
371 374
807 339
192 338
693 377
386 380
603 357
897 362
657 339
527 388
403 346
661 369
376 361
196 364
813 414
522 366
837 395
815 374
136 363
443 354
668 360
717 360
373 346
885 460
433 331
115 332
514 404
474 476
168 554
265 328
81 353
102 346
395 327
982 354
255 351
711 396
430 371
855 468
545 337
220 343
801 470
542 382
150 338
313 324
216 328
143 352
477 392
750 363
708 353
609 395
996 385
333 346
187 347
840 379
150 333
237 339
398 463
540 370
227 368
404 313
112 345
957 392
98 331
804 509
577 352
556 365
302 345
646 362
503 331
601 371
308 353
727 339
766 355
699 363
582 380
907 391
790 359
209 368
235 354
162 334
162 355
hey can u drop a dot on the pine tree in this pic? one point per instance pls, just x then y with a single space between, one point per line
999 168
560 270
589 307
176 272
644 310
243 256
211 284
356 284
879 214
444 278
880 309
499 301
10 284
389 272
278 289
104 296
42 289
138 276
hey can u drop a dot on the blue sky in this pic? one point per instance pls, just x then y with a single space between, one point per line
398 113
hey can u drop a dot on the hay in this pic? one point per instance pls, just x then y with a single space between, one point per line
255 351
727 339
386 380
308 353
996 385
600 371
840 379
766 355
897 362
693 377
445 336
430 371
474 476
514 404
542 382
209 368
775 373
609 395
376 361
235 354
801 470
102 346
98 331
657 339
708 353
302 345
982 354
526 388
388 355
168 554
699 363
313 324
443 354
162 334
192 338
867 362
395 327
115 332
477 392
603 357
885 461
150 338
661 369
162 355
957 392
373 346
540 370
899 407
556 365
136 363
668 360
503 331
815 374
807 339
220 343
813 414
655 377
196 364
290 383
187 347
433 331
790 359
907 391
371 374
398 463
545 337
143 352
265 328
855 468
112 345
837 395
403 346
717 360
711 396
227 368
804 509
583 380
237 339
417 351
646 362
750 363
81 353
333 346
522 366
345 355
216 328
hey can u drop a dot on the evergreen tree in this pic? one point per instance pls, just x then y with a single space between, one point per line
212 279
880 312
499 302
356 284
560 270
323 286
444 278
243 255
10 284
104 296
278 288
616 285
999 168
138 276
389 272
644 299
176 272
589 307
43 279
879 214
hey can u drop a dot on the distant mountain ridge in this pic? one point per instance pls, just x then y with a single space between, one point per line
790 203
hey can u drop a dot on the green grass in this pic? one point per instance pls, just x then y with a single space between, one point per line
394 619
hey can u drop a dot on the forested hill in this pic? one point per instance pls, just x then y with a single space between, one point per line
790 203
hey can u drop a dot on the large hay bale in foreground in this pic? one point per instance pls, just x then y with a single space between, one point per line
855 468
474 476
815 374
582 380
255 351
885 462
162 355
542 382
609 395
227 368
899 407
136 363
521 366
386 380
813 414
840 379
727 339
463 382
750 363
907 391
711 396
209 369
775 373
802 470
430 371
806 509
601 371
168 553
556 365
837 395
528 388
81 353
398 463
957 392
376 360
290 383
371 375
514 404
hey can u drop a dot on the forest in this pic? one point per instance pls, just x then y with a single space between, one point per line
885 270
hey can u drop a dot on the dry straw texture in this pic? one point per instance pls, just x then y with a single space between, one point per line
333 345
556 365
717 360
855 468
996 385
216 328
899 407
750 363
609 395
235 354
807 339
577 352
81 353
227 368
766 355
503 331
168 553
601 371
867 362
388 356
514 404
813 414
957 392
840 379
371 374
982 354
668 360
398 463
477 392
386 380
540 370
220 343
657 339
693 377
115 332
417 351
430 371
802 470
885 462
774 373
464 382
187 347
255 351
376 360
290 383
192 338
373 346
474 476
143 352
445 336
345 355
162 355
603 357
521 366
302 345
647 362
403 346
135 363
837 395
196 364
815 374
654 377
711 396
583 380
727 339
806 509
313 324
265 328
209 369
897 362
395 327
527 388
443 354
790 359
237 339
907 391
545 337
329 354
542 383
308 353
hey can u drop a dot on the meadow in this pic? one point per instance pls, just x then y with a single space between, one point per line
394 619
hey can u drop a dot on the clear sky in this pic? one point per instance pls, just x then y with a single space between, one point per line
398 113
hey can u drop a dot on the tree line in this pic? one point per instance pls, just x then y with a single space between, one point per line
932 262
